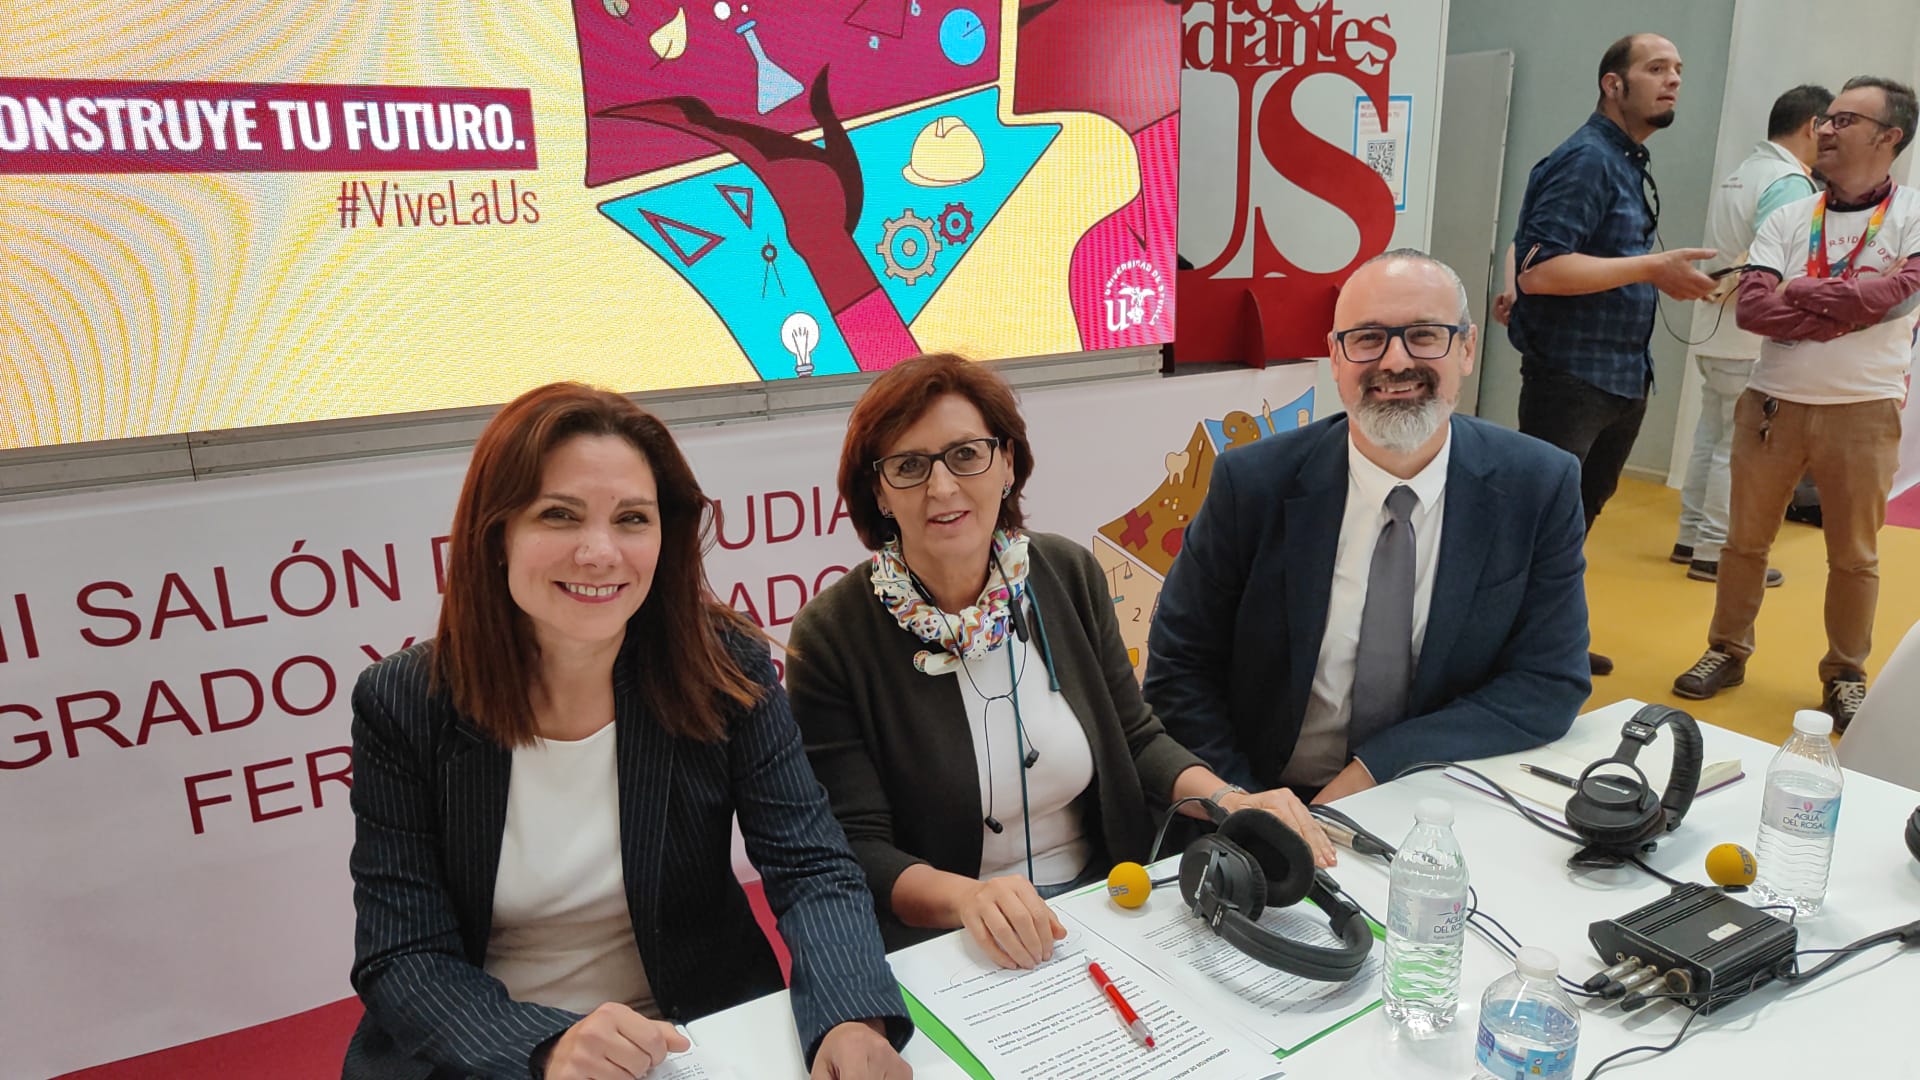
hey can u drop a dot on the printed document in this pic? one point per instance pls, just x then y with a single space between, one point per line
1283 1010
1053 1023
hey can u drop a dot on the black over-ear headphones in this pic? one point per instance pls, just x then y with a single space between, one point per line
1255 862
1913 834
1619 814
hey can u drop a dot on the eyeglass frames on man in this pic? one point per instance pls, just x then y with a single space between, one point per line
911 469
1844 119
1423 341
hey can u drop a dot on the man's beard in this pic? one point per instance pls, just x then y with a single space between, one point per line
1401 425
1661 120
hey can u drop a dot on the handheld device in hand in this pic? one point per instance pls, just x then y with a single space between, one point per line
1725 270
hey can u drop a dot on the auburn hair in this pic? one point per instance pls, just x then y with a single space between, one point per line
485 655
895 402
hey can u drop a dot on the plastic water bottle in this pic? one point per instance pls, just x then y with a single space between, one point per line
1426 922
1529 1026
1798 815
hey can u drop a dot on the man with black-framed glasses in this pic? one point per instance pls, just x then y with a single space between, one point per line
1778 172
1382 587
1833 288
1588 278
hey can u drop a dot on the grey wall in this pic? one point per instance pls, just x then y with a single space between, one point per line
1557 45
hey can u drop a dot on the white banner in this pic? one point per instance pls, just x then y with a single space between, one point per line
175 664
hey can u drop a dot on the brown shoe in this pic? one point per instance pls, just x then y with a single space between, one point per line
1842 700
1702 570
1714 672
1599 665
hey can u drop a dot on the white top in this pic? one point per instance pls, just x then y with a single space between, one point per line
562 935
1321 751
1733 217
1064 770
1866 365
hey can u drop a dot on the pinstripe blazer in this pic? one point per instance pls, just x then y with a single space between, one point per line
430 803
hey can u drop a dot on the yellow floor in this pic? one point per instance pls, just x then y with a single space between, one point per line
1652 619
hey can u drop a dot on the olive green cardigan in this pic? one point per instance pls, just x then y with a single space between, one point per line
892 745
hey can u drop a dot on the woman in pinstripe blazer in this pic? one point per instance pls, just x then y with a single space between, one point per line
544 793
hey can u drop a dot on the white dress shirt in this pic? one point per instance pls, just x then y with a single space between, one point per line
1321 751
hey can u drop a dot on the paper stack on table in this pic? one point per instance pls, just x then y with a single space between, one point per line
1281 1010
1053 1023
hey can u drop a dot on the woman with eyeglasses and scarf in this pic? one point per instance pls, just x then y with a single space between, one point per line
965 695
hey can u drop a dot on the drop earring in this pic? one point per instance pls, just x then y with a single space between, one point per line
1006 491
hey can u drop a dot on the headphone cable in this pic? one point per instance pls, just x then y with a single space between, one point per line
1173 811
1021 743
1532 818
1483 923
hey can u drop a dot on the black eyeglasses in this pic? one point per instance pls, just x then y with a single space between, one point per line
911 469
1843 120
1768 406
1423 341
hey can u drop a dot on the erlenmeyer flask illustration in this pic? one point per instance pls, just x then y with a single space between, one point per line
775 86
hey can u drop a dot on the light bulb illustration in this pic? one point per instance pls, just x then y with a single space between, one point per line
800 334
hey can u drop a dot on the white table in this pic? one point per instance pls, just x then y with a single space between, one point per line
1849 1022
757 1041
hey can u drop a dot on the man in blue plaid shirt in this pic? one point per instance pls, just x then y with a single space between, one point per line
1587 274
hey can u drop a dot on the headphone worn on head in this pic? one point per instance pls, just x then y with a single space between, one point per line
1254 862
1619 815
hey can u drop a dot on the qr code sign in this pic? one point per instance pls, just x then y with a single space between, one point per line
1380 156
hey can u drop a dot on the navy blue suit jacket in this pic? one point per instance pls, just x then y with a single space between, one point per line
430 805
1503 666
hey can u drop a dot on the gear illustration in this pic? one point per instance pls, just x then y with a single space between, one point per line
956 223
921 241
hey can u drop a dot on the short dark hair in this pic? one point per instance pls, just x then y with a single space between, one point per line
1615 61
1903 111
1793 109
895 402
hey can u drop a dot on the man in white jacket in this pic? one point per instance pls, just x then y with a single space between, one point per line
1776 173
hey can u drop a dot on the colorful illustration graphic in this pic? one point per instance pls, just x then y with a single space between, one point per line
1137 548
918 149
451 205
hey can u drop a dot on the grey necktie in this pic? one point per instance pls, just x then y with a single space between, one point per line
1383 667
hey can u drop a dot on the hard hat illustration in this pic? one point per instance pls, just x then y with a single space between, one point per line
945 153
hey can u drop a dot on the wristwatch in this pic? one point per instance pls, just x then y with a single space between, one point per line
1224 792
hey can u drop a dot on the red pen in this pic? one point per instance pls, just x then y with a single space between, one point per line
1135 1025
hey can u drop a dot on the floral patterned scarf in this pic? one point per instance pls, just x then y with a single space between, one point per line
966 635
